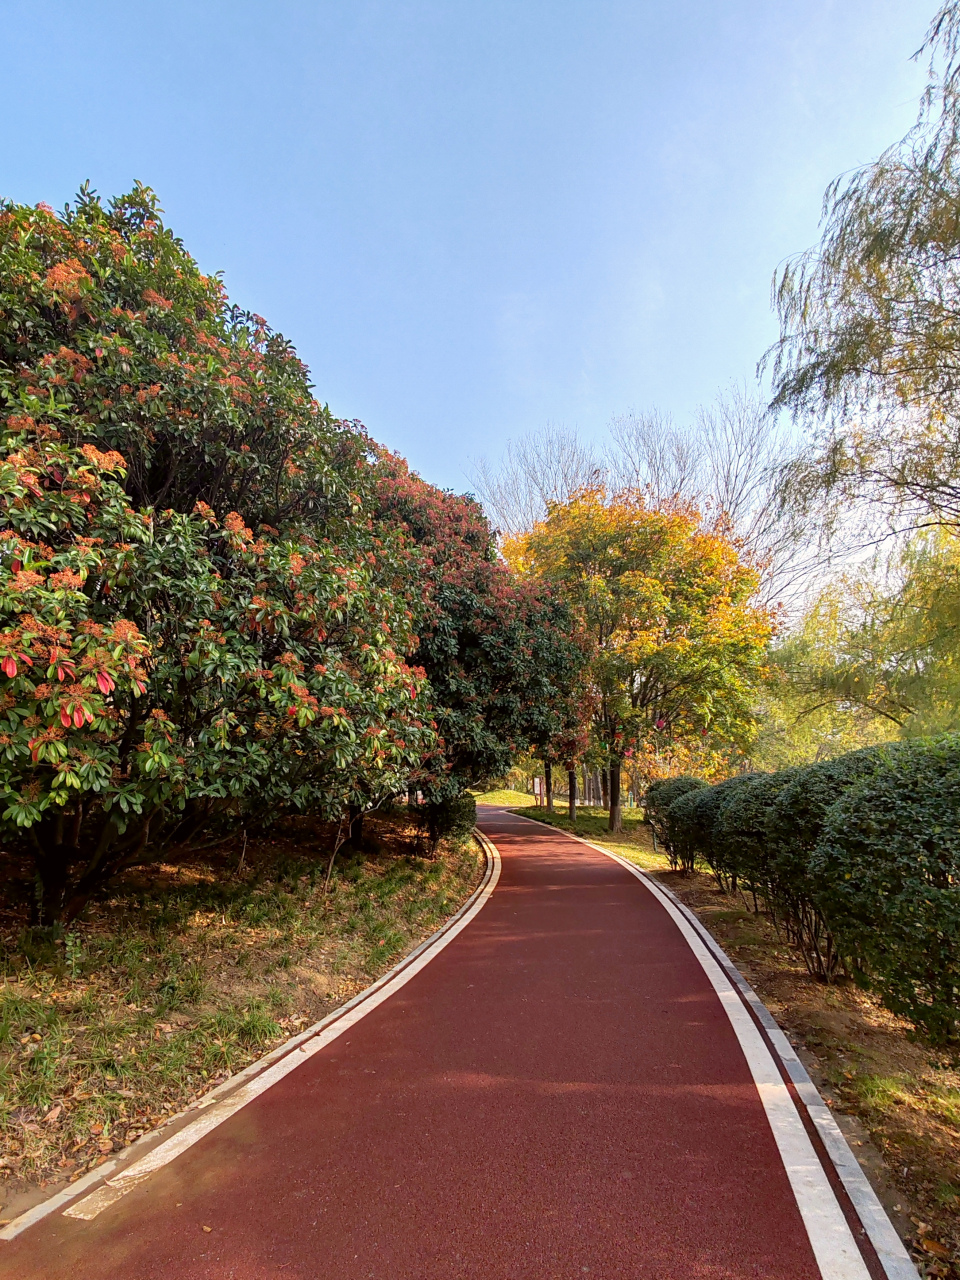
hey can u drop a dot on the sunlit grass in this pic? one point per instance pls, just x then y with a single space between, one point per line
880 1093
510 799
105 1032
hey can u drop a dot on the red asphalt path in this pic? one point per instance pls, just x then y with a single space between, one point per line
559 1093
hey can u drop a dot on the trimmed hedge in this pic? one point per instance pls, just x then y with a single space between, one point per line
887 867
657 800
691 822
739 832
857 859
795 826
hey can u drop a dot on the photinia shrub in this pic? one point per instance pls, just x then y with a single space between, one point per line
501 656
197 616
108 323
158 668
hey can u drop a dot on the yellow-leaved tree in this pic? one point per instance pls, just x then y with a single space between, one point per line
677 640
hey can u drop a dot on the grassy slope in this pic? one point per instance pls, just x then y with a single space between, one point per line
186 976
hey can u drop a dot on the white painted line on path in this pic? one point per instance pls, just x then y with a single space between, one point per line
289 1056
833 1244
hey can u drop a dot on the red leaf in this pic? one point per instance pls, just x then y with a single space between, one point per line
9 667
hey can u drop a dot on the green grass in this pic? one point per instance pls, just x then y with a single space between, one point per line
882 1093
944 1102
507 798
180 981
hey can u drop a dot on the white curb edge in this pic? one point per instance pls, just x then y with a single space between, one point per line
890 1249
118 1176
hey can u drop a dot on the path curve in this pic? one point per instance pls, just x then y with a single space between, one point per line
563 1091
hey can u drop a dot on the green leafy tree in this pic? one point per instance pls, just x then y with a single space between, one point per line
870 323
164 665
874 658
676 641
501 655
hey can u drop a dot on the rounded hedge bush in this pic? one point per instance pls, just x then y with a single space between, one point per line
799 810
740 836
693 821
887 876
657 800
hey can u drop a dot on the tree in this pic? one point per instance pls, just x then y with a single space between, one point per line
875 656
501 655
869 349
548 465
165 665
725 462
105 313
676 642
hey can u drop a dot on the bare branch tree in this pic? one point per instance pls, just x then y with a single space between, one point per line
745 451
548 465
727 462
649 452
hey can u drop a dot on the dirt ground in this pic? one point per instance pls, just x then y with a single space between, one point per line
185 974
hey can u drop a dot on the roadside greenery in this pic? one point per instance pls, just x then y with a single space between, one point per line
857 860
218 604
185 976
502 654
675 638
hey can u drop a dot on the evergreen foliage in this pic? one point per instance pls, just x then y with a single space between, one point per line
209 588
858 861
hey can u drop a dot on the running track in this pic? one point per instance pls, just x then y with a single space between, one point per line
559 1093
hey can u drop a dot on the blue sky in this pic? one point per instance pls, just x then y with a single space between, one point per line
473 216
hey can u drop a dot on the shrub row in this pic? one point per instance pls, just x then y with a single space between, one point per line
857 859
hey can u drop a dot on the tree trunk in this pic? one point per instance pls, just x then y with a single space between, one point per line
341 836
548 783
616 819
572 789
50 883
605 786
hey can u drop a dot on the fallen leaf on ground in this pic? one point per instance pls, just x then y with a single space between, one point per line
935 1247
207 1228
